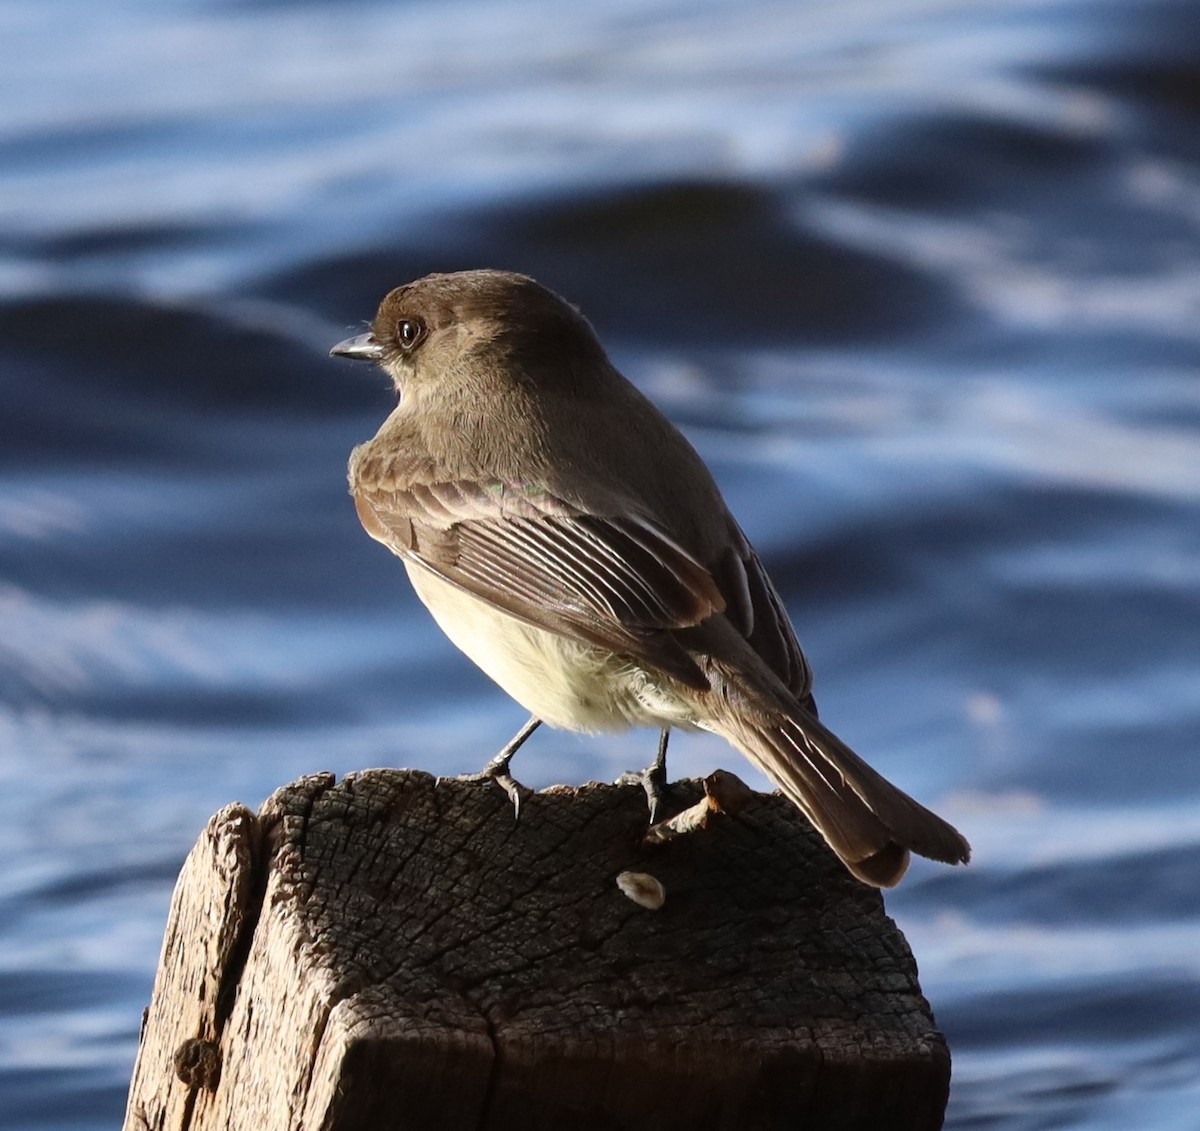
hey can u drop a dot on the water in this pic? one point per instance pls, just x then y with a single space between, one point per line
920 279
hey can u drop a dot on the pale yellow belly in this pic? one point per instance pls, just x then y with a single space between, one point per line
564 683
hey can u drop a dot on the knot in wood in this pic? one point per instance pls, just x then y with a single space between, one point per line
198 1063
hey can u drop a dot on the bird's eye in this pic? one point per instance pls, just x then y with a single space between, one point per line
409 331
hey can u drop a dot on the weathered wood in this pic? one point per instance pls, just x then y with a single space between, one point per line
392 951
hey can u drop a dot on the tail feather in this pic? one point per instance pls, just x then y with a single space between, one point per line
866 820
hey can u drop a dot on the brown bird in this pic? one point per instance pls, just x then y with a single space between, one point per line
571 542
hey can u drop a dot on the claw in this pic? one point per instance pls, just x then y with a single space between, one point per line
496 769
515 791
653 779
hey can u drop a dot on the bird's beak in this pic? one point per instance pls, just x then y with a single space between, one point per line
364 347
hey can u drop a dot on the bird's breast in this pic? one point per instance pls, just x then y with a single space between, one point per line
564 682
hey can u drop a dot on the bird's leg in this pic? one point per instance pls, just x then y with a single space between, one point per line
654 778
497 768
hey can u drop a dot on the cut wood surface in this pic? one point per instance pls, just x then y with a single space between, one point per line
394 951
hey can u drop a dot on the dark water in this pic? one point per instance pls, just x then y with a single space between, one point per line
922 282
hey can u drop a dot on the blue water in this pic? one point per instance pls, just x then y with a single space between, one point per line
920 279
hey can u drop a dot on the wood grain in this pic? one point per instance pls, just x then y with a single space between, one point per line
393 951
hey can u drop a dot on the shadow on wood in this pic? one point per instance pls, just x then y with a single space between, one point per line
392 951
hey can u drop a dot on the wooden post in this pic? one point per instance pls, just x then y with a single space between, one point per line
393 951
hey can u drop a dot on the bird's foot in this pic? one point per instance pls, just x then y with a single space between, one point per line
654 782
497 769
653 779
501 777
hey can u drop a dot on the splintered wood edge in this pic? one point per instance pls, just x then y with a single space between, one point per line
213 912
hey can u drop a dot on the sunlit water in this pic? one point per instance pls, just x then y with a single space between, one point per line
921 281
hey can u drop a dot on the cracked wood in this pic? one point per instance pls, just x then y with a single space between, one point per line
391 951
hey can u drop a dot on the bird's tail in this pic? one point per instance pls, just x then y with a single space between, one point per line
867 821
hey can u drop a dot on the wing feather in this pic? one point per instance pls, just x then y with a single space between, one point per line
615 580
611 581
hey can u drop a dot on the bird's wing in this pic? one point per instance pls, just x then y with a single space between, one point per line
755 609
613 581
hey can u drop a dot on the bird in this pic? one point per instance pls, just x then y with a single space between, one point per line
567 538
